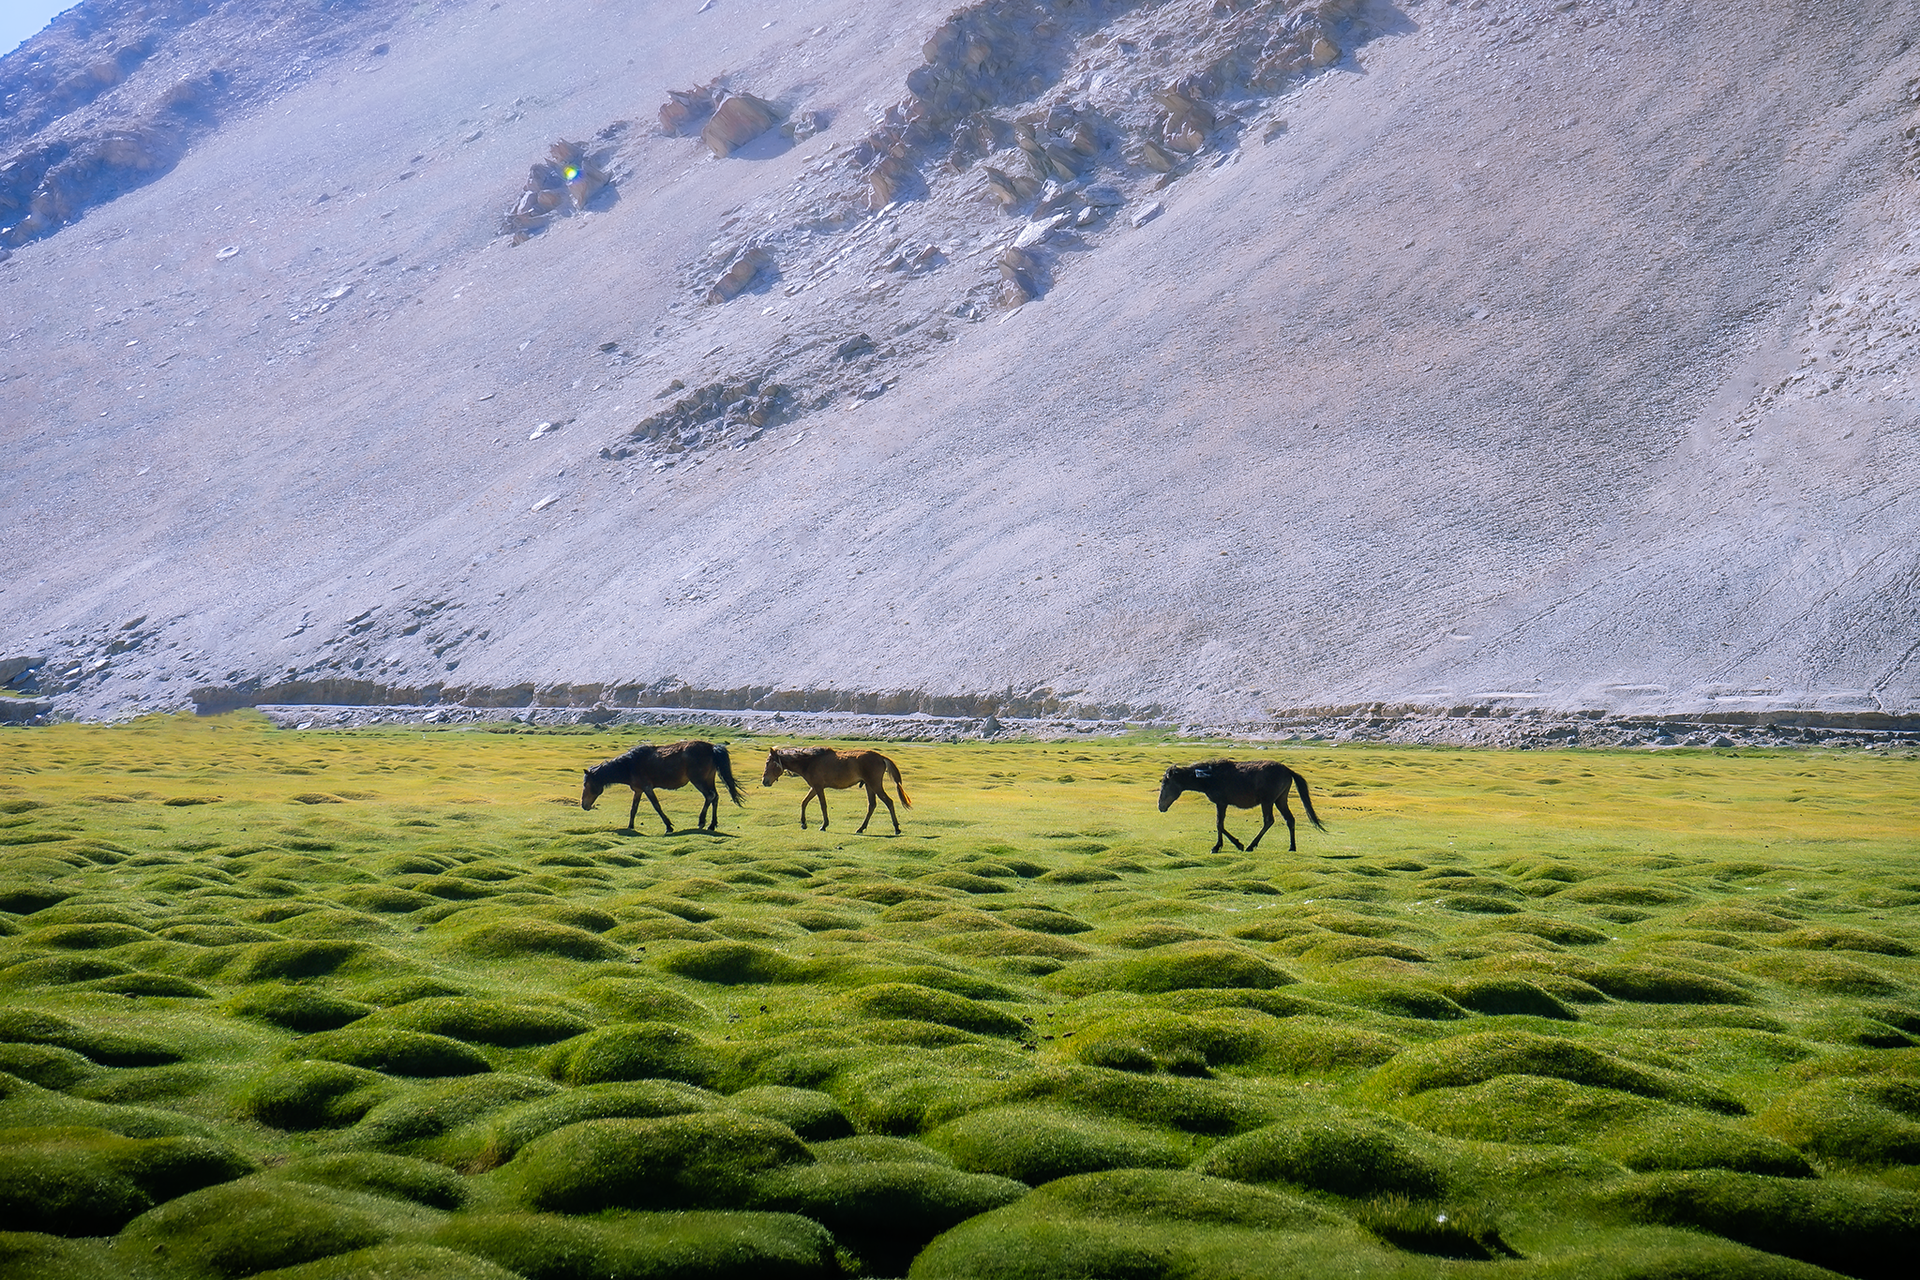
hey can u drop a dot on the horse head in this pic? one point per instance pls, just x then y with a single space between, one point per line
590 790
774 768
1172 783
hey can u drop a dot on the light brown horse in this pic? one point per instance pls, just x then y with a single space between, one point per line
672 766
823 767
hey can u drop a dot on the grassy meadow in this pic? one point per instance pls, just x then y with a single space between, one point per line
386 1003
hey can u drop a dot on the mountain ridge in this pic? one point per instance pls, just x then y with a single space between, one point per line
1483 364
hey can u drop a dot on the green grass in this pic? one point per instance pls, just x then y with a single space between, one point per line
388 1003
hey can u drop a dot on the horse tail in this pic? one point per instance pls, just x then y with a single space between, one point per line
723 766
1306 802
899 786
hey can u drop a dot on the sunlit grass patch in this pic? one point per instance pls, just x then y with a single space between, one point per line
465 1029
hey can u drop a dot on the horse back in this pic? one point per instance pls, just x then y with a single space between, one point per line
1246 783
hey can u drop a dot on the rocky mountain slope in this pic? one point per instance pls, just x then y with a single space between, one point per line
1208 359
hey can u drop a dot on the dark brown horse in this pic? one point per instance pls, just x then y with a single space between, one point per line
672 766
1242 784
823 767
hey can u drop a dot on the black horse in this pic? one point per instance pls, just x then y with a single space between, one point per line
672 766
1242 784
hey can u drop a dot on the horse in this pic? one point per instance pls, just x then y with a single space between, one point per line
672 766
1242 784
822 767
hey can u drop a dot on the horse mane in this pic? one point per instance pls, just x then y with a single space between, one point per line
626 757
784 754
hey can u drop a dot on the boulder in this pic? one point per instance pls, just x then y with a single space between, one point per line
739 274
738 120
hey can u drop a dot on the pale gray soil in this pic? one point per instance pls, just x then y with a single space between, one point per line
1551 357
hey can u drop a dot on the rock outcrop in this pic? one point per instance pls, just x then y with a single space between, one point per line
561 185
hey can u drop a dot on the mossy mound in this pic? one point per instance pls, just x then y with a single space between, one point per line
398 1177
1139 1224
885 1213
731 964
1038 1144
1400 999
1871 1121
45 1065
26 899
1015 942
1653 984
430 1110
87 937
1623 893
495 1022
24 1105
1045 920
1737 920
530 936
165 985
813 1115
700 1160
1856 1029
633 1051
965 882
106 1047
636 999
315 958
1156 1101
639 1100
1162 1040
874 1148
1665 1141
1827 974
1315 1046
256 1224
850 972
1837 938
1343 1153
395 1262
76 1181
1857 1229
1340 948
1181 966
647 1246
661 928
903 1000
392 1051
394 991
297 1008
28 1255
1508 996
1895 1063
55 971
314 1095
384 898
1482 1056
217 935
1142 937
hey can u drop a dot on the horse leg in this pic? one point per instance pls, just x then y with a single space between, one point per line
891 811
635 811
712 798
870 803
1288 815
664 819
821 792
1220 821
1266 811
